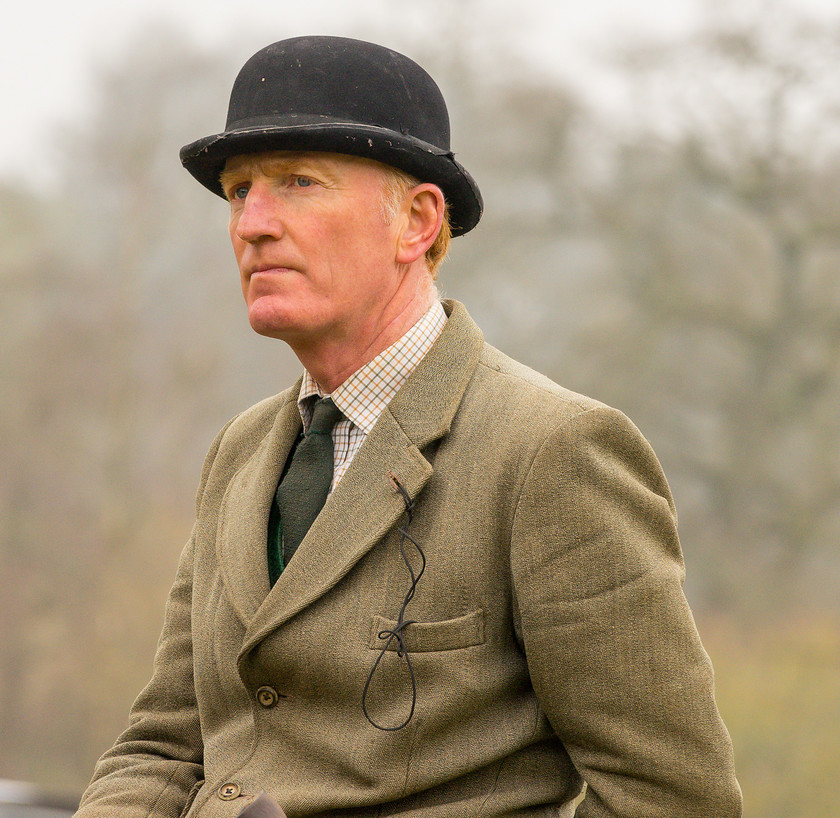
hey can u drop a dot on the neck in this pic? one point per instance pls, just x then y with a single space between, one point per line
332 360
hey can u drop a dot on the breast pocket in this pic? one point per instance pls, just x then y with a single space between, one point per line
425 637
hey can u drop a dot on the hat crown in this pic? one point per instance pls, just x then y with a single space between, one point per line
306 80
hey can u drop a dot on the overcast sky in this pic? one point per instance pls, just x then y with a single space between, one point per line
51 51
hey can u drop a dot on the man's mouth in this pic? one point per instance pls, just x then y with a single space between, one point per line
269 268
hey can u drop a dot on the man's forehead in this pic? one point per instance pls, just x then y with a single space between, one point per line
284 160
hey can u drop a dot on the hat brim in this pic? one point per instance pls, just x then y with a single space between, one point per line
205 159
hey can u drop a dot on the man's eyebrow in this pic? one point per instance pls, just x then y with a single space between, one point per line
303 165
269 167
227 176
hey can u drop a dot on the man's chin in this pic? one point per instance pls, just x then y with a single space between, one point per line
292 323
267 318
267 324
270 329
275 325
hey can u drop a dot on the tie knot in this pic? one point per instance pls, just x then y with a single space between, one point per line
325 414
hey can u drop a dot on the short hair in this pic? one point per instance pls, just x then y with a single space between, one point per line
394 187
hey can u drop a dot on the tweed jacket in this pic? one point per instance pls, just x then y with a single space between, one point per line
550 643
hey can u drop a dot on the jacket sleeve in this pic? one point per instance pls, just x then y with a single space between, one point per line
156 763
611 644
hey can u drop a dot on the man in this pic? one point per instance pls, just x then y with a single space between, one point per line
459 593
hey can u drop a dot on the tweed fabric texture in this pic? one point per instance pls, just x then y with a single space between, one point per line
553 644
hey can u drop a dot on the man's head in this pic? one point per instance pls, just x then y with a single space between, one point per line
332 94
343 191
326 252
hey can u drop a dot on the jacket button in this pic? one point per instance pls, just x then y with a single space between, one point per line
267 696
229 791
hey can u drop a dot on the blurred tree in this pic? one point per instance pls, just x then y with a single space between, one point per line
723 336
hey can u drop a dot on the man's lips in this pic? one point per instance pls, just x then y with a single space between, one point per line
269 268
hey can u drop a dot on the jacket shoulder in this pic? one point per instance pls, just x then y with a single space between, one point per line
511 380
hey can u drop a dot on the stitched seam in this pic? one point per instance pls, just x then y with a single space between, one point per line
191 798
166 787
492 791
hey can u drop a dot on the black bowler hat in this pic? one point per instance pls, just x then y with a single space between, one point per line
343 96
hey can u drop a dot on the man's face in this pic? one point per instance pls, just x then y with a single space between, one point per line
316 256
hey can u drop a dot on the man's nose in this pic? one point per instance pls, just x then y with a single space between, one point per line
259 217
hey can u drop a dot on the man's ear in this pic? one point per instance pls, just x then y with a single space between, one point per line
421 217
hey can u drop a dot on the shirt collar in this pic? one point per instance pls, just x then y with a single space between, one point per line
366 393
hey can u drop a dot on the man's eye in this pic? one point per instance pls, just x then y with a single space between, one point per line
240 192
303 181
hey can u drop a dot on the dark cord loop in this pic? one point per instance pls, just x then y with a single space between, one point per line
396 632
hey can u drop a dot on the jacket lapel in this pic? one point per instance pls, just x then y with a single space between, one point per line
366 504
243 514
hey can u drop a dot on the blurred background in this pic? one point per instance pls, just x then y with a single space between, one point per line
662 231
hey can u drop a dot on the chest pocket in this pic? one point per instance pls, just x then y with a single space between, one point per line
425 637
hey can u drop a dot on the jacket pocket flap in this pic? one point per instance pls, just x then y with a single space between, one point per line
422 637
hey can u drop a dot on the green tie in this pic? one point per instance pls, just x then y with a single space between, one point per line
303 490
